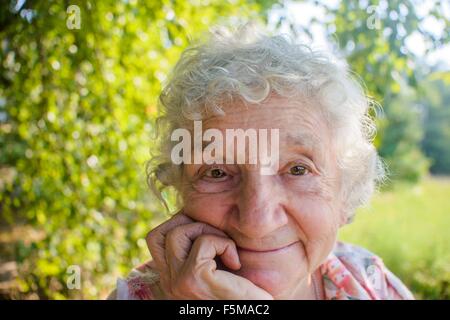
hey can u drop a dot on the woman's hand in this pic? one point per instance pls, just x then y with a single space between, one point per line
184 251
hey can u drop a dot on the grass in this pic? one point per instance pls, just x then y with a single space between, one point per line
409 228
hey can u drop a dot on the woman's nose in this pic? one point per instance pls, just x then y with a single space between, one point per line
260 207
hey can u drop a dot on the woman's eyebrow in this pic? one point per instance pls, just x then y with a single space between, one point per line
302 139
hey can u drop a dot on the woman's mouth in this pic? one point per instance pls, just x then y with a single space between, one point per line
261 250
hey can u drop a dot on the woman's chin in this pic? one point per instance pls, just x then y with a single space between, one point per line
270 280
276 271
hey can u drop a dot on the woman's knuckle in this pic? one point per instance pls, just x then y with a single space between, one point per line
200 242
152 244
151 236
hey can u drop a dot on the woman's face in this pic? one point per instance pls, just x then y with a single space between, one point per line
284 224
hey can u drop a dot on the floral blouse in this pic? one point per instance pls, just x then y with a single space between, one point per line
348 273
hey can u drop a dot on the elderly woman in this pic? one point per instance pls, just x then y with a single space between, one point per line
248 233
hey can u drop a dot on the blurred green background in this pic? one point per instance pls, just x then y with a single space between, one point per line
78 91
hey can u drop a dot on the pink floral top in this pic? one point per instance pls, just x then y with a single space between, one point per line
348 273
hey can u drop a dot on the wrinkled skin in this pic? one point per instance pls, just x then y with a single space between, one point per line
271 232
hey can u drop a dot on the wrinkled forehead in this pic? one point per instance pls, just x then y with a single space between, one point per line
299 123
269 112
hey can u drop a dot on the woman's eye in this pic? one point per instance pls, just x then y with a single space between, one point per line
298 170
215 173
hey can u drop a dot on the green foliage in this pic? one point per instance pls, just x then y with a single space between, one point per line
401 132
436 141
373 35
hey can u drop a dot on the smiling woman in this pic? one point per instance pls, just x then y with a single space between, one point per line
242 234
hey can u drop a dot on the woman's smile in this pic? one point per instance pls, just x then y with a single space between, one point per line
244 249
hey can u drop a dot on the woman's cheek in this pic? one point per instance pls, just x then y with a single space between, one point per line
207 208
317 218
309 184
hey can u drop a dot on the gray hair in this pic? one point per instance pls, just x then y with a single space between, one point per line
248 64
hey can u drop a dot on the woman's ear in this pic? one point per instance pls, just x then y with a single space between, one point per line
344 216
